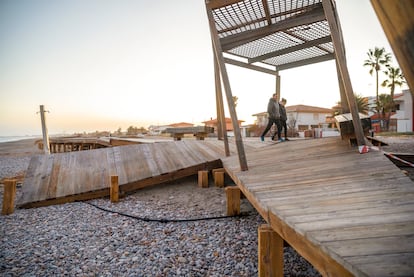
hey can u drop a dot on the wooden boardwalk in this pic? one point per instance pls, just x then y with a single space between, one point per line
67 177
346 213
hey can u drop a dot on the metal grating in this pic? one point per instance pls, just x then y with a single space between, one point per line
281 33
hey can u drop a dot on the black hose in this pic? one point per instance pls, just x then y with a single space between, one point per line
166 220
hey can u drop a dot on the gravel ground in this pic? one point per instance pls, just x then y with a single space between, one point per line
78 239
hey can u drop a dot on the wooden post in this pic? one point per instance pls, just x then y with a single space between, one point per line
8 196
278 85
46 146
226 83
233 201
397 21
221 119
203 179
114 191
218 175
270 252
337 40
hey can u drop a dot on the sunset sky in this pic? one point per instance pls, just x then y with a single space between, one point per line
106 64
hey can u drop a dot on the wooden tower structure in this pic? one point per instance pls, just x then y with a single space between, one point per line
279 34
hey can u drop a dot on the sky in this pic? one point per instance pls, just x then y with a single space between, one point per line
100 65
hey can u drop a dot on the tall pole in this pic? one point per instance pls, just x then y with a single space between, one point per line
226 83
336 35
278 85
46 146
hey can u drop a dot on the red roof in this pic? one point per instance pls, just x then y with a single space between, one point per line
181 124
307 109
214 121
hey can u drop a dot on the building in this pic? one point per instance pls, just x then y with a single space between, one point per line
404 112
300 117
229 125
155 130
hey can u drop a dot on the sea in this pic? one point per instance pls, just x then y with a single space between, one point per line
17 138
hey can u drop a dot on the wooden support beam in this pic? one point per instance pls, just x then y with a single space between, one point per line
333 22
278 85
218 175
226 83
250 66
311 16
114 191
270 252
221 119
306 44
397 21
215 4
233 200
313 60
203 179
8 196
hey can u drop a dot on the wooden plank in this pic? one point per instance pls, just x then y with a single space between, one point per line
373 246
363 231
399 264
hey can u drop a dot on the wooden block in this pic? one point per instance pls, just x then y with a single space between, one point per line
114 191
9 196
221 169
270 252
219 179
233 201
203 179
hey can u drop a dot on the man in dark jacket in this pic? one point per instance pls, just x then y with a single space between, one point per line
273 109
283 116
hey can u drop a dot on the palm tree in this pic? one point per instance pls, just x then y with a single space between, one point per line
377 58
395 78
385 105
362 105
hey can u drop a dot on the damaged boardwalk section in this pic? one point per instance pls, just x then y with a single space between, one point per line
81 175
348 214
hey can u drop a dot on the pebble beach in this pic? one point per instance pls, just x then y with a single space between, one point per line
145 234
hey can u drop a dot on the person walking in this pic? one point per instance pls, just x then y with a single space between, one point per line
273 109
283 116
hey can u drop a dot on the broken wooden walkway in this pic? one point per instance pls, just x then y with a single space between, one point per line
74 176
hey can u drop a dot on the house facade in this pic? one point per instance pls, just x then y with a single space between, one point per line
404 111
156 130
300 118
229 125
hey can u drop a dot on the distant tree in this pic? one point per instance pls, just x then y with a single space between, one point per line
235 99
376 59
119 131
142 130
386 105
132 130
362 105
395 78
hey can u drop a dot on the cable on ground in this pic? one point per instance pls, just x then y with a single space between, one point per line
162 220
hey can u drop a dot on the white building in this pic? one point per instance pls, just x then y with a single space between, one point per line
301 118
404 111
